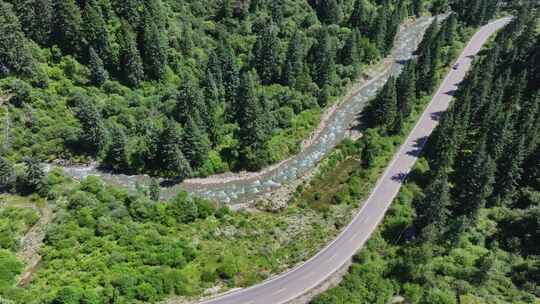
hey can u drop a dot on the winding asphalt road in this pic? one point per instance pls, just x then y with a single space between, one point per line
307 276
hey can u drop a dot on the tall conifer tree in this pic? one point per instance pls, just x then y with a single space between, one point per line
266 55
67 29
131 67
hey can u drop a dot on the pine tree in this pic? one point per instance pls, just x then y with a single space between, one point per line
153 49
329 11
474 181
276 11
428 64
150 150
481 91
528 122
253 132
433 75
432 210
442 146
406 89
214 68
95 30
492 110
131 67
15 54
173 161
266 55
249 108
500 133
34 176
531 168
392 26
351 53
428 38
475 12
463 116
449 29
418 7
361 16
36 17
187 46
293 66
190 103
509 172
98 72
438 6
67 29
225 10
322 58
93 134
378 33
129 10
429 59
195 143
7 173
155 189
397 125
214 97
156 11
384 106
533 60
116 157
229 72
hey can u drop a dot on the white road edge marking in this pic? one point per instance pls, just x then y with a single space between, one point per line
333 256
279 291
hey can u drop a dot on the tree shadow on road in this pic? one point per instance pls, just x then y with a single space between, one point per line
437 115
451 93
403 61
418 145
400 177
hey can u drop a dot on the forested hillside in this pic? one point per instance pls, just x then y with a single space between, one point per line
181 88
464 229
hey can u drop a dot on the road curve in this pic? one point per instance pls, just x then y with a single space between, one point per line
310 274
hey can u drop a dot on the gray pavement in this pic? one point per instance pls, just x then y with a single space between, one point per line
303 278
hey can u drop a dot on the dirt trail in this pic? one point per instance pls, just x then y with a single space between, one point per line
32 241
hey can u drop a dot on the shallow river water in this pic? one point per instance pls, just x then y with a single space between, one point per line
236 189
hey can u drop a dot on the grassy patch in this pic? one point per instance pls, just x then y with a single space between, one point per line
288 141
324 192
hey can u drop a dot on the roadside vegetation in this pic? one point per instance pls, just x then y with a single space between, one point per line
351 171
464 228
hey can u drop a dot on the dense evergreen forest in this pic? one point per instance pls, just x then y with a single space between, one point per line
181 89
465 227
